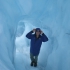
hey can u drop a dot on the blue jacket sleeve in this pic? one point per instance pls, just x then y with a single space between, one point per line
29 35
44 38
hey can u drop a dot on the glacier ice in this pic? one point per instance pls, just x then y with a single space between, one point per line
17 17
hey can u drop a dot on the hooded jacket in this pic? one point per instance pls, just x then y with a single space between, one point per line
36 43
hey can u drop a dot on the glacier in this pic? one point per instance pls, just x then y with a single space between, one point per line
18 17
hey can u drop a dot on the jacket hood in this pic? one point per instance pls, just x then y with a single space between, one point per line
38 29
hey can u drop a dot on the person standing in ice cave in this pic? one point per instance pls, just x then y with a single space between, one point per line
37 37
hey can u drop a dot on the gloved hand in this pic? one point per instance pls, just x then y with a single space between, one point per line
34 30
41 32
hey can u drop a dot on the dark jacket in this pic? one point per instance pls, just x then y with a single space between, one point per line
36 43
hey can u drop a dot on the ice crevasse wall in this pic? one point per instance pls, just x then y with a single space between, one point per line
52 16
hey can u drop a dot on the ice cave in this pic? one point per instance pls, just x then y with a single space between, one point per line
18 17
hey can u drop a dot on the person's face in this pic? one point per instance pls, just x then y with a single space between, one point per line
38 33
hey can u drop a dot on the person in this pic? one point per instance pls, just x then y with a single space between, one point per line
37 37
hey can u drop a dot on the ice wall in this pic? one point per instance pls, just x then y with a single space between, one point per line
9 14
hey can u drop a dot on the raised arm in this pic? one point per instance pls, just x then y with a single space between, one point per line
29 35
44 37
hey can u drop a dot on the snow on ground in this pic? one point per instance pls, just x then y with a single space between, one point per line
22 60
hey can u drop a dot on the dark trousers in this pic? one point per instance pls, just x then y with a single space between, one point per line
33 58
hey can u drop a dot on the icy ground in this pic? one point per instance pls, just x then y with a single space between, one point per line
22 61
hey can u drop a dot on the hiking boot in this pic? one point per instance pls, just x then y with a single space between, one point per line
32 63
35 64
